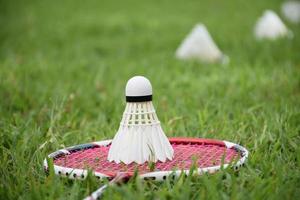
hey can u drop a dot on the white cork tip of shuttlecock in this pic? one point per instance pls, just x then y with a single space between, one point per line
270 26
138 86
291 11
199 45
140 137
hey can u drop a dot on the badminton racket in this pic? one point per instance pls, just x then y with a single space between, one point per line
207 155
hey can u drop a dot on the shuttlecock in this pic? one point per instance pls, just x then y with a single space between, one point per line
291 11
140 137
199 45
270 26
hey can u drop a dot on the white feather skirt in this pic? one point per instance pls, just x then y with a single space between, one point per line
199 45
140 144
140 137
270 26
291 11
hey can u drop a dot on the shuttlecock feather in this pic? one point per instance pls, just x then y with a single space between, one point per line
199 45
291 11
270 26
140 137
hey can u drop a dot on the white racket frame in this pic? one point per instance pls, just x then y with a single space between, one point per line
156 175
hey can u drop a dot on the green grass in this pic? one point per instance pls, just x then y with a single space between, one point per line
64 66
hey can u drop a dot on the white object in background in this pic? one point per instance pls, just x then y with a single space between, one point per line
291 11
140 137
199 45
270 26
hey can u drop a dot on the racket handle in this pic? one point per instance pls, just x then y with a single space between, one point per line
98 193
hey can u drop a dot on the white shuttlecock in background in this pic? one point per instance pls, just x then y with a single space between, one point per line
199 45
270 26
140 137
291 11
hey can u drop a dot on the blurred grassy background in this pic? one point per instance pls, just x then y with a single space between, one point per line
63 70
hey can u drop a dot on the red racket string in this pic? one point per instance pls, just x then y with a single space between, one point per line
185 156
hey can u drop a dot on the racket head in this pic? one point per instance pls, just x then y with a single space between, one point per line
204 155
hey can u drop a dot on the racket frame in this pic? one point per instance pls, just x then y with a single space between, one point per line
156 175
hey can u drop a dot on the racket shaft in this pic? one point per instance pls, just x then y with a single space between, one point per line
98 193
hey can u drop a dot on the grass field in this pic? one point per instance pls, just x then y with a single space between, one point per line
63 70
